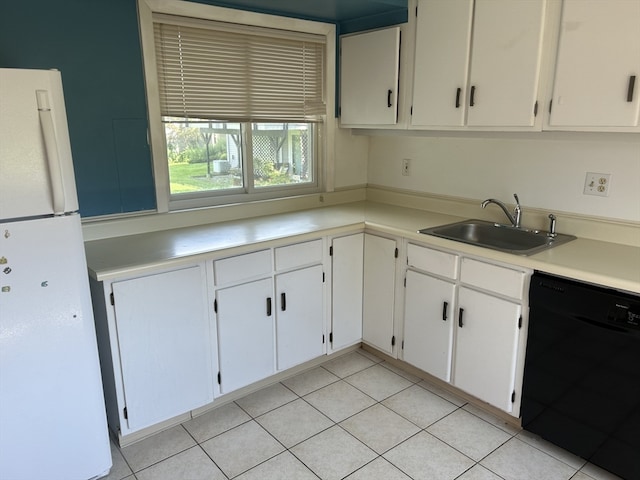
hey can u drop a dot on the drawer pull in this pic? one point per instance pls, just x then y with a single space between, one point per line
460 323
631 88
444 311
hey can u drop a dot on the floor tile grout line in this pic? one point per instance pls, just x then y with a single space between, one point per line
333 423
199 444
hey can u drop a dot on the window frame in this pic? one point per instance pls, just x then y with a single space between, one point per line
323 153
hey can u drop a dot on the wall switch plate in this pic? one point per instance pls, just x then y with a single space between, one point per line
597 184
406 167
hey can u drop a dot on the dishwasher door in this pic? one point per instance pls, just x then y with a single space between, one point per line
581 387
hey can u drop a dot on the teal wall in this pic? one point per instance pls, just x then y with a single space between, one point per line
95 45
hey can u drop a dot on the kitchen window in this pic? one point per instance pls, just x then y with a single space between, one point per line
238 103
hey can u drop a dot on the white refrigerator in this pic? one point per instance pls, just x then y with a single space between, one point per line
52 414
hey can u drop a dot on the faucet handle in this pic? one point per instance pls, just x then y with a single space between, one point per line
552 226
517 212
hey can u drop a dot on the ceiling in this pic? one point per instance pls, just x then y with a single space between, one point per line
350 15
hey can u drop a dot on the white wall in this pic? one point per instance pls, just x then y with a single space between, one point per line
547 169
351 156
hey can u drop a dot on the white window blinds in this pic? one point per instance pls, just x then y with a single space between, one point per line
220 71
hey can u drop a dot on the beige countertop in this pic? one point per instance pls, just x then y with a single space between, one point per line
604 263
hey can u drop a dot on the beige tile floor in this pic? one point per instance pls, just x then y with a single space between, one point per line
355 418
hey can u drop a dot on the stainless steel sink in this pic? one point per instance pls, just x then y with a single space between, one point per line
504 238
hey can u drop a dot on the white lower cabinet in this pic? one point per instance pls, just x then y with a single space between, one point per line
346 290
486 347
299 316
164 346
463 323
380 256
246 316
428 324
269 311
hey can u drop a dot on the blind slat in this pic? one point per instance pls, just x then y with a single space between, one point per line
238 76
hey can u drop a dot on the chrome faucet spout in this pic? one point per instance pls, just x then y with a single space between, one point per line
517 212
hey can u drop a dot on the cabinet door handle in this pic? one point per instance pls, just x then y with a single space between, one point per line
444 311
632 85
389 93
472 97
458 92
460 324
268 306
283 301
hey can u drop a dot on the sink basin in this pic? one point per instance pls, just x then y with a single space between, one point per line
504 238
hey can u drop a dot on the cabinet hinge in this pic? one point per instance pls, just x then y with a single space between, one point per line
219 379
535 109
550 104
331 251
112 299
513 397
215 305
125 414
520 322
395 254
393 341
330 337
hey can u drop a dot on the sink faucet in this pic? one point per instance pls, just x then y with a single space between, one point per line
517 212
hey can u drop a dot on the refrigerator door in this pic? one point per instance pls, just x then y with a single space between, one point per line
35 154
52 414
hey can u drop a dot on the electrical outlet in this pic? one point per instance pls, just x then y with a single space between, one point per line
597 184
406 167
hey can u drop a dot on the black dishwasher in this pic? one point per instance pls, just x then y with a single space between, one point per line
581 386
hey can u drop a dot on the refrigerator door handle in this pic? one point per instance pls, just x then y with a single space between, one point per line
51 148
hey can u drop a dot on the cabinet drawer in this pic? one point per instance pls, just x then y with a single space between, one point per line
432 261
492 277
242 267
298 255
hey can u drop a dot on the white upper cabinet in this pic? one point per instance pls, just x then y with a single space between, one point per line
477 63
442 66
369 69
598 65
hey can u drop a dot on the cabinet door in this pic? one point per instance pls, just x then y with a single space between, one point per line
369 66
441 62
505 63
598 54
379 292
428 324
299 318
346 290
245 333
165 345
486 347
